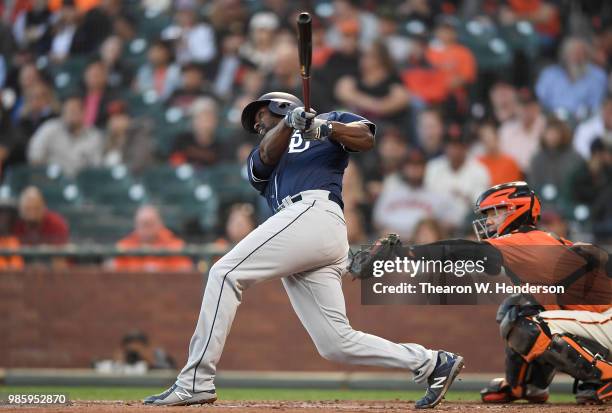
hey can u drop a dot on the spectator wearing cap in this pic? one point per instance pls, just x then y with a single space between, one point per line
196 40
595 175
552 165
193 86
353 10
597 126
377 92
199 147
502 168
574 86
128 141
399 45
455 60
344 60
150 232
457 175
36 224
519 137
405 201
421 78
8 216
67 141
391 150
159 74
321 50
260 48
96 94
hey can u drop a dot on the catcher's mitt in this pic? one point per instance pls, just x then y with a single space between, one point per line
361 263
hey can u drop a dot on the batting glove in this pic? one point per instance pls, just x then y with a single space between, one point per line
320 129
299 119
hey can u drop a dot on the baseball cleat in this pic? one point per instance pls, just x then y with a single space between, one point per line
594 392
439 381
499 391
178 396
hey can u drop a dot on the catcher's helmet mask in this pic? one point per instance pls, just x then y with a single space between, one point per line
514 205
278 103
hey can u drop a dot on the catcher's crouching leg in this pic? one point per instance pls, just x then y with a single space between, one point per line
528 381
587 361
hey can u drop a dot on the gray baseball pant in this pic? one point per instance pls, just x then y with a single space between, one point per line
305 244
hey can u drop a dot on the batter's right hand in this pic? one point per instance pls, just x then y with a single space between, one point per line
299 119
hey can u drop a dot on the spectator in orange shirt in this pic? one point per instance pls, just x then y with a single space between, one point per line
454 59
150 232
502 168
8 215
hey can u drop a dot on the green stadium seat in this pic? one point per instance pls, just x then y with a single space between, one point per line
68 74
521 36
230 182
56 188
93 180
490 50
151 24
180 193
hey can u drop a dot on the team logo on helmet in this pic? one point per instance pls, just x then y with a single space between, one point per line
505 208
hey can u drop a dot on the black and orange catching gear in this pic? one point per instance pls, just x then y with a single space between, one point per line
514 205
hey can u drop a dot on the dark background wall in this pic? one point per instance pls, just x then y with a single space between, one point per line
69 318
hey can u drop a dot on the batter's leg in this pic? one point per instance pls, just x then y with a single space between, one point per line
287 243
318 300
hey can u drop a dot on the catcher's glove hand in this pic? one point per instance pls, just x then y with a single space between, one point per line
361 263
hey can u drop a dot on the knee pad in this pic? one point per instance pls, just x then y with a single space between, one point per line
579 357
528 337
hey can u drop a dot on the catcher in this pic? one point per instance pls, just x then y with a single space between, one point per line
540 338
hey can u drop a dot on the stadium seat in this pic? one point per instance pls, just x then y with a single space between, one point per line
490 50
68 74
521 36
229 180
179 192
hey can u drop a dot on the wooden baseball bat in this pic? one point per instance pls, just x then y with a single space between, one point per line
304 24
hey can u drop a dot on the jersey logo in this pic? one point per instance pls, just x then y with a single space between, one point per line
297 144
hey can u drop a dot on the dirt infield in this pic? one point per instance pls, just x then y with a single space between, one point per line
306 407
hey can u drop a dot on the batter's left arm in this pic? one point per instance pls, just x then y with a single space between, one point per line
355 136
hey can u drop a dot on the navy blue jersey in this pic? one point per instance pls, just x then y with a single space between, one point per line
306 165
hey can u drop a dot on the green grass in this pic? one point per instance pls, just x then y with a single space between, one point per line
138 393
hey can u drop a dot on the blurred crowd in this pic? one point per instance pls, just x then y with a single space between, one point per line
465 95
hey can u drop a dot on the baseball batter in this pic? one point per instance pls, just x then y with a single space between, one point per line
298 168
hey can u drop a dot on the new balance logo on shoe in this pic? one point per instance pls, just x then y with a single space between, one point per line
438 382
183 394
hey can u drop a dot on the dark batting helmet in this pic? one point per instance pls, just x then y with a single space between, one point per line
278 103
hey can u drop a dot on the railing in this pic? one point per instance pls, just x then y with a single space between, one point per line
100 250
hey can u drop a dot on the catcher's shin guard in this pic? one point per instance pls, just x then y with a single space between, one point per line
528 381
579 357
